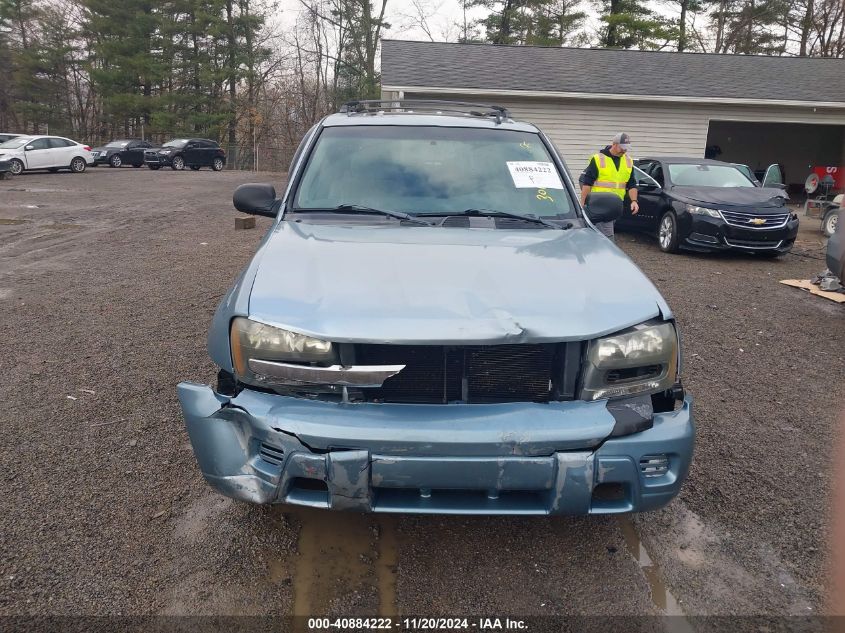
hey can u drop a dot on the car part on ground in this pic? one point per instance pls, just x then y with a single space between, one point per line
831 220
835 256
509 360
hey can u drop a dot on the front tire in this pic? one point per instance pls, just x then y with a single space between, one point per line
831 219
16 167
78 165
667 233
177 164
115 161
218 164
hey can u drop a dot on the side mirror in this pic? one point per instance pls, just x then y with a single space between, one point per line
651 187
29 148
603 207
256 199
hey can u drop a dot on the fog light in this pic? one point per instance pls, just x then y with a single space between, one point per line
654 465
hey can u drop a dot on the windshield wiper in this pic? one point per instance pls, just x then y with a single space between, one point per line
357 208
500 214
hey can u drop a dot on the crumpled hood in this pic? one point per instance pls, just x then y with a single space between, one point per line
386 283
756 198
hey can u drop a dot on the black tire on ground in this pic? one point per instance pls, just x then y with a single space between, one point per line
15 167
195 167
218 164
177 164
831 219
115 161
78 165
136 165
667 233
154 167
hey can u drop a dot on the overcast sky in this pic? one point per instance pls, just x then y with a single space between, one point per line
443 17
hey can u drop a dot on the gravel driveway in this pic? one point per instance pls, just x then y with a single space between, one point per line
108 281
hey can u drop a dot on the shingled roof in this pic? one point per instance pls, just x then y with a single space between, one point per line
484 67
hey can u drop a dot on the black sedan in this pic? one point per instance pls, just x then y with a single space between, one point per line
707 205
121 152
186 152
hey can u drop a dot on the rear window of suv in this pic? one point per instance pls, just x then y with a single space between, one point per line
429 169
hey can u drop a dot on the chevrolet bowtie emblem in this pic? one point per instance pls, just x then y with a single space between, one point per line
757 221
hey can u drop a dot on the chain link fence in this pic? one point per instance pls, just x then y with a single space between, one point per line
257 157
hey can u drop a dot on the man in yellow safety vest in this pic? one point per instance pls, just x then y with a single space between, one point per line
611 170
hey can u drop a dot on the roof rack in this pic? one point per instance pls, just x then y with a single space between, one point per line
372 106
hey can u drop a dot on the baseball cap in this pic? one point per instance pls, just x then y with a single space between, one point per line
623 140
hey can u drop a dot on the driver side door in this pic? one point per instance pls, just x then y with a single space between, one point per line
38 154
649 198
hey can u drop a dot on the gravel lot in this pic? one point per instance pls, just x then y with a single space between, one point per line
108 281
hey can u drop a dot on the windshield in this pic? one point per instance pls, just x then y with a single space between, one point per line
433 170
118 144
15 143
708 176
177 142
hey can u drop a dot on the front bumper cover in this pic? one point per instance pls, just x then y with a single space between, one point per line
714 234
448 459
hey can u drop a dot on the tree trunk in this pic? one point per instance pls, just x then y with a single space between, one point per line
612 39
682 27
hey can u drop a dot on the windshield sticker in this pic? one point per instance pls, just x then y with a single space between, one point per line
542 195
529 174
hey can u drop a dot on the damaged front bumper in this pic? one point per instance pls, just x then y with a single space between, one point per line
519 458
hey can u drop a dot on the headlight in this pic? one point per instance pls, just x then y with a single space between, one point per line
252 340
641 360
713 213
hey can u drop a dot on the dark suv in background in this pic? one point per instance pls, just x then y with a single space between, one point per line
186 152
121 152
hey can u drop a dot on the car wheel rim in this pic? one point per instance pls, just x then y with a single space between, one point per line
666 232
16 168
78 165
218 164
831 224
115 161
178 163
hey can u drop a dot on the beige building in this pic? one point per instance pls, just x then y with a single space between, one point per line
756 110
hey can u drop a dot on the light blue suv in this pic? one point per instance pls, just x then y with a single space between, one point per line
433 325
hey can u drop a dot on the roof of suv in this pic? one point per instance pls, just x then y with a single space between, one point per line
425 112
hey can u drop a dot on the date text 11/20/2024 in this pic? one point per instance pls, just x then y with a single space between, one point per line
417 624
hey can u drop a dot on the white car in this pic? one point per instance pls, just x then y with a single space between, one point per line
45 152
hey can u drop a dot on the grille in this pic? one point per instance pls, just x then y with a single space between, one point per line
271 454
744 220
475 374
762 244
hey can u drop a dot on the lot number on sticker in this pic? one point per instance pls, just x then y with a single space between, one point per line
529 174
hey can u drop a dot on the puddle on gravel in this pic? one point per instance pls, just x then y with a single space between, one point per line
388 556
660 594
36 190
339 553
59 226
